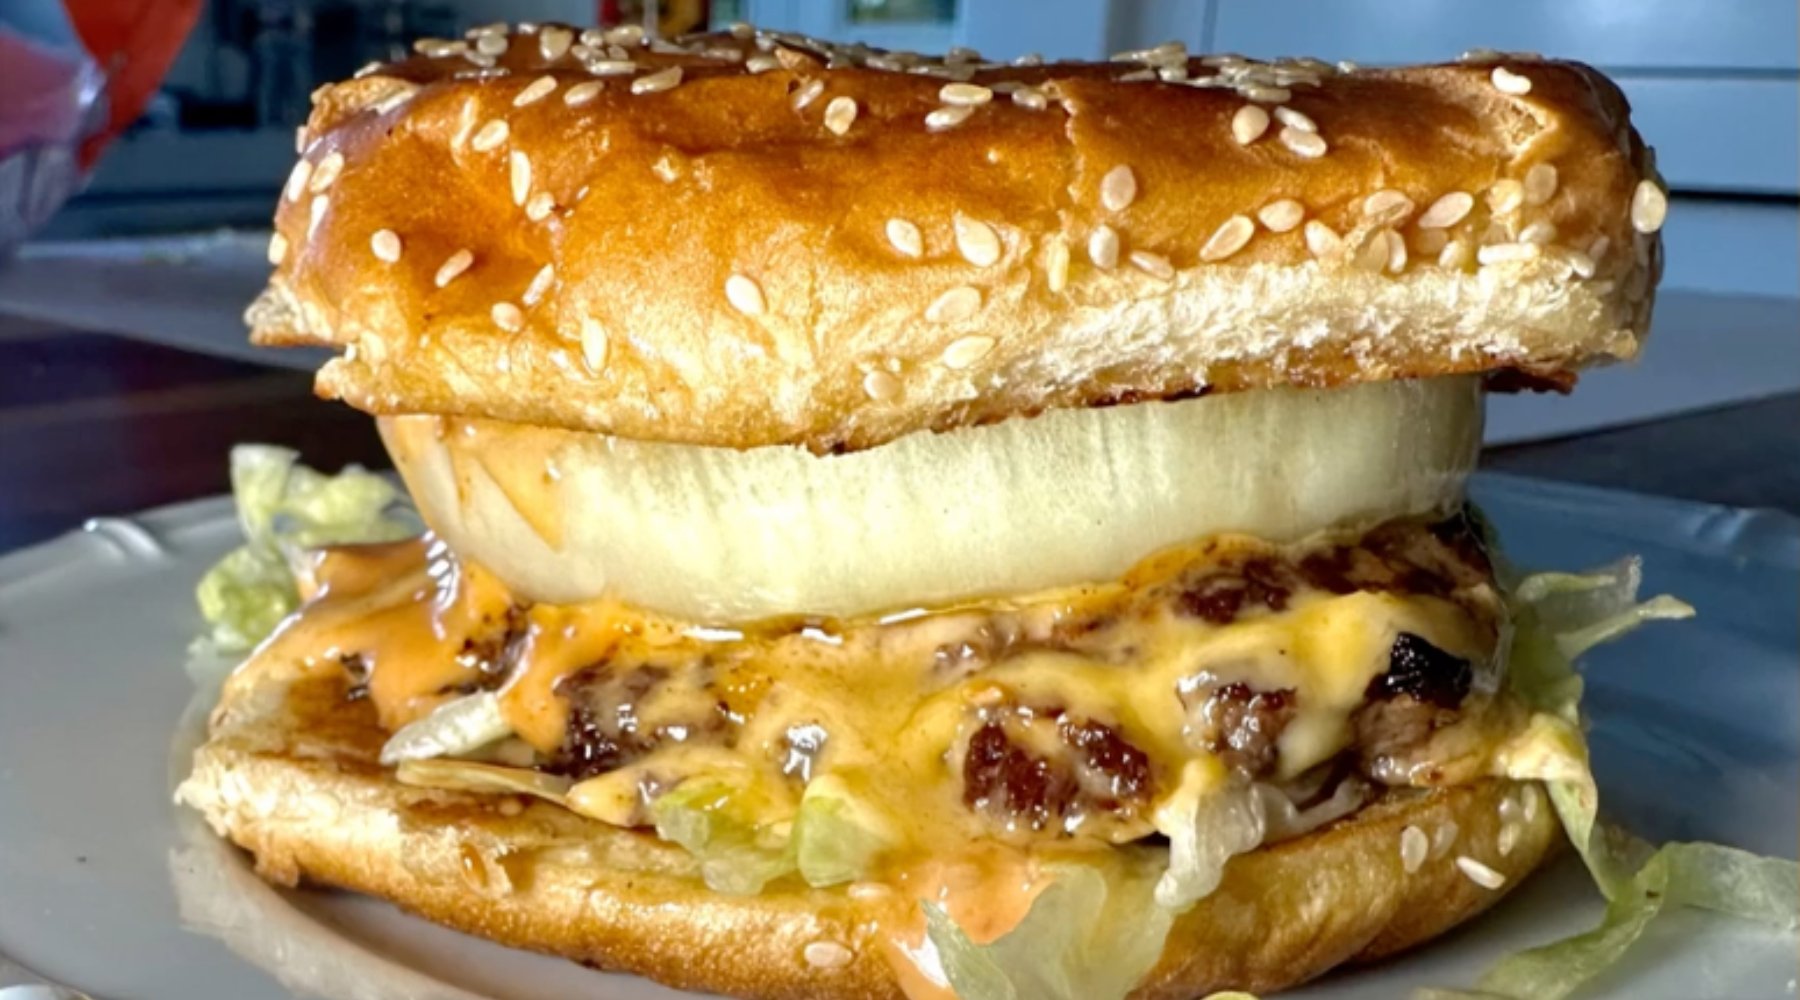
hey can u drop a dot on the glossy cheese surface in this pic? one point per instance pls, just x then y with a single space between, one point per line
1096 690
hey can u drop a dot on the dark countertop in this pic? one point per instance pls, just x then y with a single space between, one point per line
92 424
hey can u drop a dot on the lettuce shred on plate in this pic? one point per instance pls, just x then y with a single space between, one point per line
1062 951
1093 933
284 509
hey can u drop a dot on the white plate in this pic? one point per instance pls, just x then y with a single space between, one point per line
106 886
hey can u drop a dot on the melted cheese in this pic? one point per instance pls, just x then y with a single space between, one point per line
892 699
890 709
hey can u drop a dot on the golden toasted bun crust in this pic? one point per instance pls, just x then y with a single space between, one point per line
289 773
714 263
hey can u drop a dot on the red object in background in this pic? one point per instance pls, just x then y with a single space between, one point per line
133 42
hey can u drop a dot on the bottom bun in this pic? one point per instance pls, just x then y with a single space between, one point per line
290 774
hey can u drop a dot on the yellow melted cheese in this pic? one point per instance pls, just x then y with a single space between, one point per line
408 614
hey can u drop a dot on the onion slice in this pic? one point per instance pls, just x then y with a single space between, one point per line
1068 497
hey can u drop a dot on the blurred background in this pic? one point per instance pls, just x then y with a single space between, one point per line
142 143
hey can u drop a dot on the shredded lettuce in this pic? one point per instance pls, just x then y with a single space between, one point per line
1090 935
1207 825
284 509
724 824
836 837
486 779
454 728
1558 616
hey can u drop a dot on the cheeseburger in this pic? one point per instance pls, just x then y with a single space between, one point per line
928 527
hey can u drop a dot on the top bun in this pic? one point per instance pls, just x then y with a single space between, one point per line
753 238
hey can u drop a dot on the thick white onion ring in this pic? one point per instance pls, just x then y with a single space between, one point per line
1070 496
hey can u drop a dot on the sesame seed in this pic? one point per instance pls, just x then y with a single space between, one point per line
539 206
521 176
478 59
742 30
1103 247
1505 195
326 172
905 238
967 351
1542 232
1282 215
1229 238
1508 82
661 80
1540 184
540 284
1479 55
1443 838
612 67
1306 144
539 89
1118 189
507 317
491 45
297 178
437 48
977 241
490 28
385 245
965 94
1505 253
1529 806
1413 847
1479 873
1447 211
954 305
1294 119
881 386
593 37
452 266
398 96
1322 240
840 114
1396 251
1265 95
582 93
316 213
1030 98
1580 263
827 955
1153 264
593 345
278 248
625 34
1056 264
808 93
745 295
490 136
553 42
1249 124
1506 839
948 117
1372 256
761 62
1649 207
1387 206
1454 256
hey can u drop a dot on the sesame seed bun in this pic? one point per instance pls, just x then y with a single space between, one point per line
753 239
290 773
